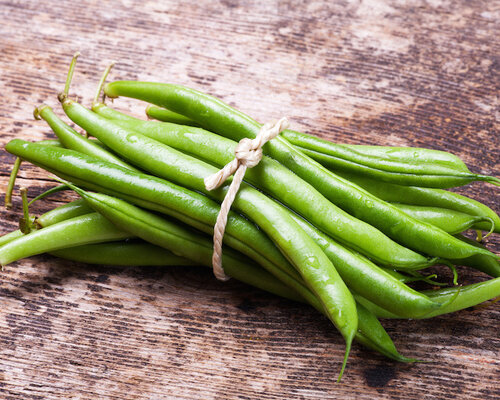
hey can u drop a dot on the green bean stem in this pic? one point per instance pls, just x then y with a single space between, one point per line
12 182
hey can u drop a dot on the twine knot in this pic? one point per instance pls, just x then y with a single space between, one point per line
248 154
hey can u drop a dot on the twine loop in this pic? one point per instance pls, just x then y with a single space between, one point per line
248 154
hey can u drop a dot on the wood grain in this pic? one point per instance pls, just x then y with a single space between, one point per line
379 72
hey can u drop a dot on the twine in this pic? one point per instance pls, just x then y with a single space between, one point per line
248 154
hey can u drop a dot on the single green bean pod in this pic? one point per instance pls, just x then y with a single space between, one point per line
450 221
410 172
427 197
122 253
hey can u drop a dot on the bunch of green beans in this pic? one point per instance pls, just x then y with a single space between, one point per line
344 228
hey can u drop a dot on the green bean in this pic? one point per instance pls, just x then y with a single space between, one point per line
72 232
442 177
408 172
61 213
272 177
426 197
69 210
450 221
315 268
123 253
152 193
162 232
163 114
484 264
453 299
364 274
15 171
275 179
370 277
370 332
155 194
369 280
406 155
372 335
417 154
157 230
216 116
9 237
71 139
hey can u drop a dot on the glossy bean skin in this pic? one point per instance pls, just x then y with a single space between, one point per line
135 253
71 139
94 228
163 161
163 114
122 253
453 299
417 154
218 117
355 270
173 236
85 229
118 181
450 221
10 236
15 171
58 214
193 142
426 197
160 195
64 212
435 176
273 178
370 281
406 155
484 264
170 235
151 193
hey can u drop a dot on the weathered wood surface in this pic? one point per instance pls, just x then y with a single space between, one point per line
381 72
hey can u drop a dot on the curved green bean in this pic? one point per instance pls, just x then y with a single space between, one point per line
72 232
450 221
71 139
453 299
122 253
426 197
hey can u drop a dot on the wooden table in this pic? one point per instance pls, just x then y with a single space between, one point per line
378 72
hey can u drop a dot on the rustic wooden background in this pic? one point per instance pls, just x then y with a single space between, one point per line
419 73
